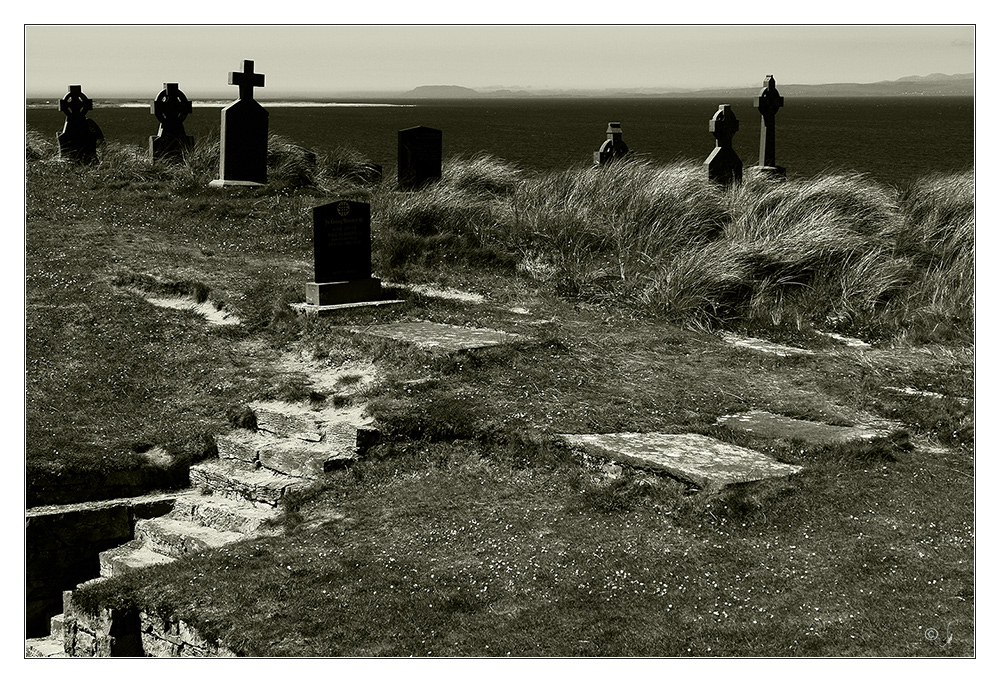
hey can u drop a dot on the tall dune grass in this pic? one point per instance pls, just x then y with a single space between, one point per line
836 251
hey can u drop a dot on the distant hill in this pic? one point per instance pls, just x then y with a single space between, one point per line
931 85
442 92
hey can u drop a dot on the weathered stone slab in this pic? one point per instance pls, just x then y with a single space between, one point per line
50 646
301 459
282 419
178 537
231 481
239 447
693 458
132 555
442 337
224 514
766 346
773 426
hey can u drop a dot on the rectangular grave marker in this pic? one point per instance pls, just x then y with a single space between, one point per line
342 255
419 157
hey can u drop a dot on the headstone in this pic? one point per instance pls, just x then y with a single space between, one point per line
723 164
170 108
79 137
768 103
342 255
612 148
243 151
419 157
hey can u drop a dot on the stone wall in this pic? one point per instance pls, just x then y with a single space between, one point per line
62 545
131 633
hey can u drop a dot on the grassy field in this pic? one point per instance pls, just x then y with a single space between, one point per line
470 530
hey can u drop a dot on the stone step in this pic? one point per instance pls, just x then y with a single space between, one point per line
249 450
229 480
178 537
132 555
57 626
287 420
223 514
49 646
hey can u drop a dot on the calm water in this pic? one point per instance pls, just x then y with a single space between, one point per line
893 139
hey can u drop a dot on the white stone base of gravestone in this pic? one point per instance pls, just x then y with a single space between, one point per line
768 171
220 182
348 292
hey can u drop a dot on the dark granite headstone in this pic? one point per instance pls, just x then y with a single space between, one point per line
612 148
342 255
419 157
243 152
79 137
768 103
170 108
723 164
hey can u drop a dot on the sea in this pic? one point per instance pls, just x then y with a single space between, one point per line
895 140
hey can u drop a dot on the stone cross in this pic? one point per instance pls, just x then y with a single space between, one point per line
170 108
768 103
243 136
612 148
723 164
79 137
246 80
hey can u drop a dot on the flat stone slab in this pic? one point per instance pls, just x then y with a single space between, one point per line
329 309
766 346
133 555
178 537
693 458
224 514
430 335
230 480
773 426
44 647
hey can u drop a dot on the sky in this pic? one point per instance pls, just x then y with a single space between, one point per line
316 60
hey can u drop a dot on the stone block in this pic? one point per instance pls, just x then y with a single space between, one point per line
225 514
178 537
282 419
240 447
334 293
226 479
130 556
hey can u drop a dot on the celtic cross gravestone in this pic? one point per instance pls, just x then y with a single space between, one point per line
612 148
723 164
170 108
768 103
243 151
79 137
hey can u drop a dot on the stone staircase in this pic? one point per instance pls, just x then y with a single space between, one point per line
232 499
